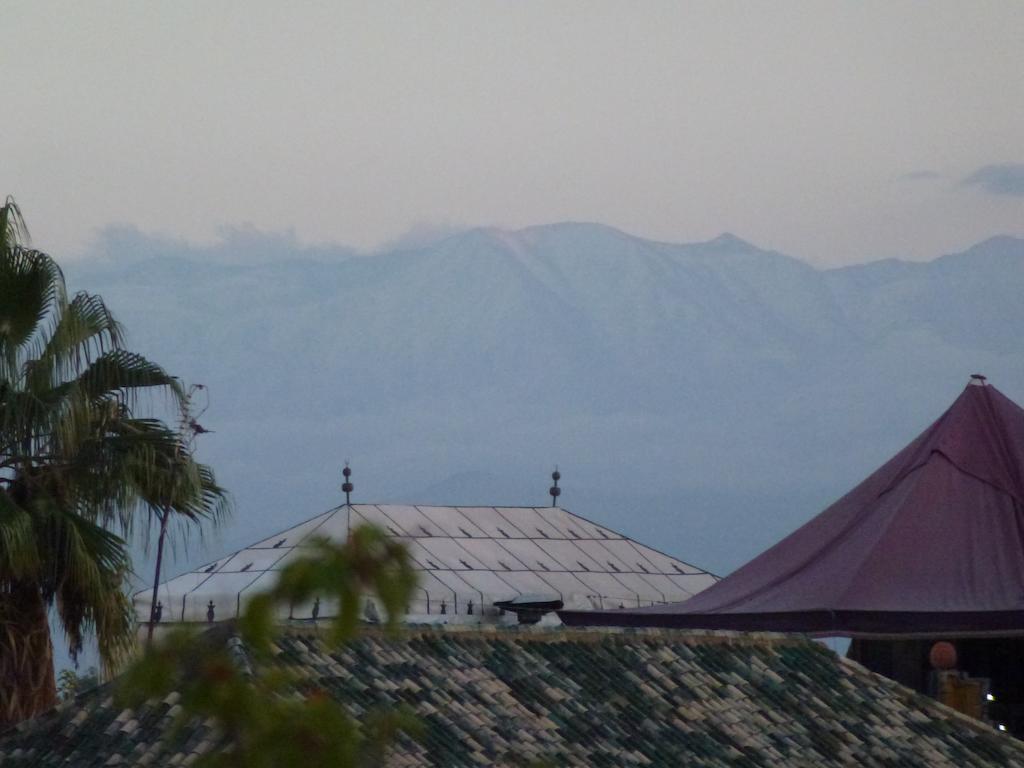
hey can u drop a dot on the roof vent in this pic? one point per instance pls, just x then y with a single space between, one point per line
530 608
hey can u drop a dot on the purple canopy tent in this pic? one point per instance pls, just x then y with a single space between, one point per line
932 542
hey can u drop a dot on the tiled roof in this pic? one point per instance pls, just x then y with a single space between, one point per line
571 698
466 557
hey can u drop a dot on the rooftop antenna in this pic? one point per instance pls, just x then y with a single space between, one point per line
554 490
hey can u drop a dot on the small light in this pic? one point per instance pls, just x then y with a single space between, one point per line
989 697
1002 727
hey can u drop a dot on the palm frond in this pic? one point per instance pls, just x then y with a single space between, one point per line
123 374
18 554
13 232
31 289
86 329
134 463
85 572
24 420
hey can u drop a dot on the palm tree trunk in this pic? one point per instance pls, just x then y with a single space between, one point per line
27 683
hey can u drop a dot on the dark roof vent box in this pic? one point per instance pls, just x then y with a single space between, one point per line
529 609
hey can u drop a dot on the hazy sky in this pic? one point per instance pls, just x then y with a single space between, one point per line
832 131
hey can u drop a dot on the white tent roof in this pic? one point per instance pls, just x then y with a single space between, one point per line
464 556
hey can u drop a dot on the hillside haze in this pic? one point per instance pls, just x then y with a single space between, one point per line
705 398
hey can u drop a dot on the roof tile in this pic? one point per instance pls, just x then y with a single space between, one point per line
570 699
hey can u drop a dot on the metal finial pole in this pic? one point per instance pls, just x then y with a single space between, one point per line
554 490
347 487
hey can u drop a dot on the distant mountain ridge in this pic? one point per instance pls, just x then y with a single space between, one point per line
703 397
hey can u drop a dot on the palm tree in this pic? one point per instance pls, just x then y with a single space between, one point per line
80 470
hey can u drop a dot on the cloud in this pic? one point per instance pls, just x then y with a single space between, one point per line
235 244
421 235
1001 179
920 176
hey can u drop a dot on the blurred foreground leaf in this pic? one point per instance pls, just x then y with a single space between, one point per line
266 715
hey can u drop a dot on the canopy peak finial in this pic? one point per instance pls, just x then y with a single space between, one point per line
347 486
554 490
978 379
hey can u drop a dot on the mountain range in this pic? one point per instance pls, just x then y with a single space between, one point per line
704 398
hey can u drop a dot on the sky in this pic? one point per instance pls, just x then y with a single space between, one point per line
835 132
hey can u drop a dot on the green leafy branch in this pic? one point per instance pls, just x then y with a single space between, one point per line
262 713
